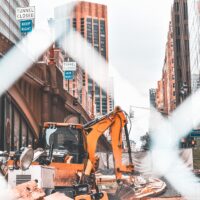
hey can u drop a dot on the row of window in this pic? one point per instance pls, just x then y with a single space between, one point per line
15 130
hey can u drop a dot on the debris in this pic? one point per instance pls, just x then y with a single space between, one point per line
28 190
57 196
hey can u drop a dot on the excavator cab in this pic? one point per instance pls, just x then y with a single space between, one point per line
64 141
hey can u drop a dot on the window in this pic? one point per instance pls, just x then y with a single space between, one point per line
178 45
177 30
177 19
185 11
89 30
74 24
185 29
179 73
24 134
177 6
16 130
82 26
186 45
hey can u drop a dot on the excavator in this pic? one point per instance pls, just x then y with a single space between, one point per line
71 150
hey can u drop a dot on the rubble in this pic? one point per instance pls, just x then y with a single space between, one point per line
57 196
28 191
134 187
171 198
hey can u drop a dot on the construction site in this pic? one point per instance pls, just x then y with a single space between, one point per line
99 100
66 165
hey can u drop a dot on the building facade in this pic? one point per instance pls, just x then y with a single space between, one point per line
90 20
152 97
169 74
179 18
175 84
194 30
160 96
165 94
195 82
9 26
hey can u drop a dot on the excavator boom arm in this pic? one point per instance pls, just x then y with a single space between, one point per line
115 121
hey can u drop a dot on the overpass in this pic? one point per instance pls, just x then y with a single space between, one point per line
38 96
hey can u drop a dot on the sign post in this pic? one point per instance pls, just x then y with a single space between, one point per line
69 69
69 75
26 16
26 26
69 66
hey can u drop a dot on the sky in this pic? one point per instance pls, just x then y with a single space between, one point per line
137 38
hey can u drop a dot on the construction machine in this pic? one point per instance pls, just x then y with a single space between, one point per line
70 149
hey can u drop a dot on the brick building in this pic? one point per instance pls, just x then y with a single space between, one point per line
159 96
169 75
175 84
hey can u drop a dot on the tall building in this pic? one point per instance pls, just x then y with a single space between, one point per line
195 82
90 20
169 74
152 97
194 30
166 96
181 50
9 26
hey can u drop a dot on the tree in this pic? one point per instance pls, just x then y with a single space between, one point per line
146 142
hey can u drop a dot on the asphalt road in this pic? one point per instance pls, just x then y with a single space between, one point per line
170 191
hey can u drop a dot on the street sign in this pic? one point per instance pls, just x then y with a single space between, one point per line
69 66
25 13
68 75
26 26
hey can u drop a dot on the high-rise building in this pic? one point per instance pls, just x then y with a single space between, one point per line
9 26
90 20
181 50
166 97
152 97
169 74
194 30
195 82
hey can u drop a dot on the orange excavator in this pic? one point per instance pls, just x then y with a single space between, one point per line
71 150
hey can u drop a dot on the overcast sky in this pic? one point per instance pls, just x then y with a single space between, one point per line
137 38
